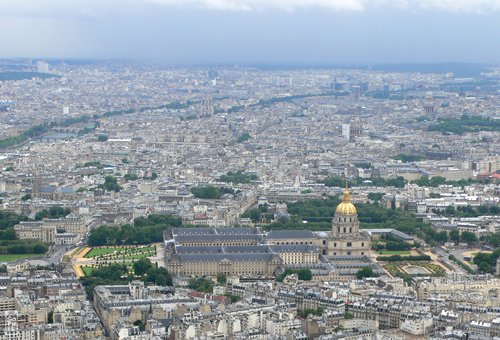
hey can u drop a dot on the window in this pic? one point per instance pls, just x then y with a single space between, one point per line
335 244
350 229
345 229
362 245
349 244
362 253
324 242
348 253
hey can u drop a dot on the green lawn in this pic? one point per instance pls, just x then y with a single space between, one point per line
138 256
393 252
102 251
13 257
87 270
123 252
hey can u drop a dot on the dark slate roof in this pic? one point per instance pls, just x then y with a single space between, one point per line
262 249
193 231
237 231
231 257
290 234
294 248
215 231
215 238
197 250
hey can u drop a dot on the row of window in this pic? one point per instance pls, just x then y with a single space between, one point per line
349 244
345 230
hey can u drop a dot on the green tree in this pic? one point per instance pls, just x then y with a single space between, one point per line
221 278
468 237
455 236
110 184
50 317
208 192
26 197
201 285
375 196
131 177
140 324
244 137
365 272
102 138
254 214
142 266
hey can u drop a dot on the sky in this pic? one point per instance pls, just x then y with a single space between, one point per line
265 32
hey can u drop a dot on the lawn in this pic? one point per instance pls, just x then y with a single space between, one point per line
138 256
14 257
102 251
122 252
87 270
393 252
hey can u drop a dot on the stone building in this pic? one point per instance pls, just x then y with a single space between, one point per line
252 253
346 239
67 230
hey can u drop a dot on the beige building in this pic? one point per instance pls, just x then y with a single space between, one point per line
35 231
67 230
252 253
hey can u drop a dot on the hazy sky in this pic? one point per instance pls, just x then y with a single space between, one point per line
254 31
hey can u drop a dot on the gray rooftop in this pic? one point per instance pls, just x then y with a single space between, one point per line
290 234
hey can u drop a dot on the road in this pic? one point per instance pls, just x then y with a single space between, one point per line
444 257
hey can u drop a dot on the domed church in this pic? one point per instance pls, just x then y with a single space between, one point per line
346 239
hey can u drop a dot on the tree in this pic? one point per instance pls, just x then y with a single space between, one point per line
455 236
140 324
375 196
253 214
142 266
221 278
468 237
110 184
365 272
201 285
304 274
26 197
102 138
40 249
244 137
441 237
50 317
53 212
237 177
131 177
208 192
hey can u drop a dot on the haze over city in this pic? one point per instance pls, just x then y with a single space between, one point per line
278 32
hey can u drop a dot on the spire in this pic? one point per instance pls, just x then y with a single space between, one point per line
346 198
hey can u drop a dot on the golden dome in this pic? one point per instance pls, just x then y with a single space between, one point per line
346 207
